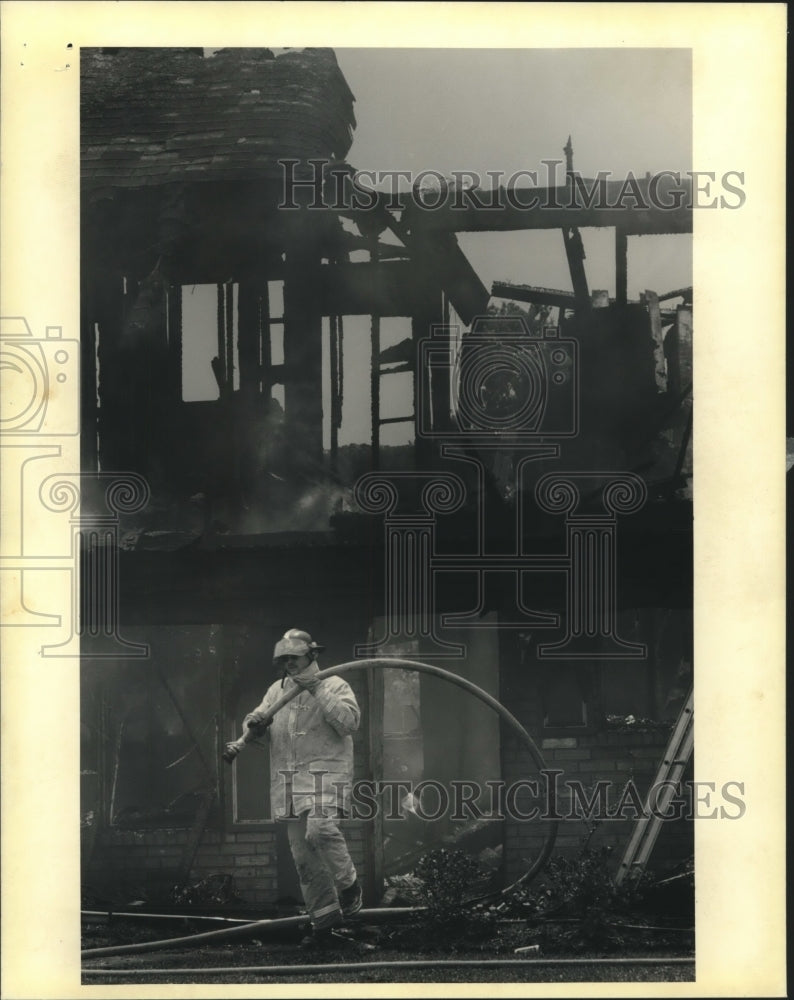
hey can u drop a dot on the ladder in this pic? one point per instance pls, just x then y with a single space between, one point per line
671 770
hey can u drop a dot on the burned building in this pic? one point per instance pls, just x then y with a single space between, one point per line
534 537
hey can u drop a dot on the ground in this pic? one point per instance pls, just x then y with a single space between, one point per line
670 962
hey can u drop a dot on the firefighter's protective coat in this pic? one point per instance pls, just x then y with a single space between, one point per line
311 747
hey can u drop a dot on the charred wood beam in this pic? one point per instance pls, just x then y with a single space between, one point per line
682 451
534 294
336 402
428 315
284 374
574 249
249 335
621 266
303 347
349 242
678 352
367 288
660 364
642 205
175 342
437 254
388 252
374 380
219 362
195 268
406 367
391 289
229 328
396 420
217 371
265 345
444 262
639 208
538 295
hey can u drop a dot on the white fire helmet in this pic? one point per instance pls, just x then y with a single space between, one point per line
296 642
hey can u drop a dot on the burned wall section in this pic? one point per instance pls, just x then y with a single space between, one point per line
181 185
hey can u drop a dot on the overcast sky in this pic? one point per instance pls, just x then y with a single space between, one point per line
627 109
510 109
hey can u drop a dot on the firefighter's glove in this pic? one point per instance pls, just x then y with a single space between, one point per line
307 679
258 720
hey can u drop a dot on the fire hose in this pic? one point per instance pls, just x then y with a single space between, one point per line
234 748
251 734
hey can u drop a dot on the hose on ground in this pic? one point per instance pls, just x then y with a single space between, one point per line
143 915
377 915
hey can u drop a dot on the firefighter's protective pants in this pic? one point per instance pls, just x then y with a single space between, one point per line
324 866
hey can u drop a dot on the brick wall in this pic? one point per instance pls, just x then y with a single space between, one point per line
146 864
612 757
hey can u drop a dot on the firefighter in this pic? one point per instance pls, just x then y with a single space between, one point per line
311 771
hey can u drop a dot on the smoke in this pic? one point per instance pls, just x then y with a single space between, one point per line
293 507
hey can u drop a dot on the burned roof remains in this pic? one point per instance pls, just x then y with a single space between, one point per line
157 116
